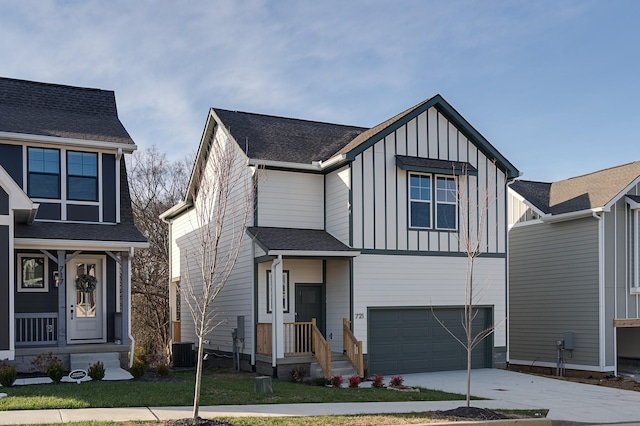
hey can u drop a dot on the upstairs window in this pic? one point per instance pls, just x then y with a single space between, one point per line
420 200
43 173
82 176
422 208
446 203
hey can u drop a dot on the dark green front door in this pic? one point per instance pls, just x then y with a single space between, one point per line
309 304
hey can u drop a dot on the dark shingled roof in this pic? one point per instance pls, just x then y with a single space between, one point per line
286 139
294 239
588 191
60 111
124 231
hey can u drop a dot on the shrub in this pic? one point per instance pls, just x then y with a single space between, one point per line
96 371
163 370
336 381
354 381
396 381
319 381
297 374
378 381
138 368
55 370
8 375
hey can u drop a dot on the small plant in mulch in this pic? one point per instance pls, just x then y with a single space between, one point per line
298 374
337 381
354 381
473 413
8 374
320 381
378 381
50 365
163 370
96 371
396 381
138 368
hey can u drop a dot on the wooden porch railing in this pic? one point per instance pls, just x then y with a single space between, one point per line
321 350
300 338
36 328
352 347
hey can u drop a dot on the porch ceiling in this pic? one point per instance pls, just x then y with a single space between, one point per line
299 242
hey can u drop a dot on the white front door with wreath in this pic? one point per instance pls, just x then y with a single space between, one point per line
86 301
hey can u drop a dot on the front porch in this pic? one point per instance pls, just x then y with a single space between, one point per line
304 343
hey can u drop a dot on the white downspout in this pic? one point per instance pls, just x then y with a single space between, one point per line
276 312
131 339
601 287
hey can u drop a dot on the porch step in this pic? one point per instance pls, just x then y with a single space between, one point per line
340 366
111 361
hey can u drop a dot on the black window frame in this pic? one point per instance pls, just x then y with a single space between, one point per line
30 174
82 176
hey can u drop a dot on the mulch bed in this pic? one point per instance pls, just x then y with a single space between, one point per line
196 422
470 413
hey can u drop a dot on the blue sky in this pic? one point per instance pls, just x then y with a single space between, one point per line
553 85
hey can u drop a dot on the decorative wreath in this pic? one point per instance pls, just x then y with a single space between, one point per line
86 283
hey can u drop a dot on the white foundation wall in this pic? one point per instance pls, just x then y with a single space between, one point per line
422 281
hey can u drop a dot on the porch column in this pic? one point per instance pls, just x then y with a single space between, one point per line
277 324
126 297
62 299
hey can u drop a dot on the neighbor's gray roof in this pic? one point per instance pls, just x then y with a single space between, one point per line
286 139
588 191
60 111
293 239
125 231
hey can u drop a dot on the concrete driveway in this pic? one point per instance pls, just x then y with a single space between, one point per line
565 400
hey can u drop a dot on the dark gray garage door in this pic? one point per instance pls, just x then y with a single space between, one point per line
412 341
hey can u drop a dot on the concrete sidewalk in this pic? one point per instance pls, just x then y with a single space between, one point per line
567 401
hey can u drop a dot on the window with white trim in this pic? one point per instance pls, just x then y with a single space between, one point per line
422 208
82 176
420 200
33 273
43 179
446 203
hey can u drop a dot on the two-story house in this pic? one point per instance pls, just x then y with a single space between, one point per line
362 229
66 225
574 286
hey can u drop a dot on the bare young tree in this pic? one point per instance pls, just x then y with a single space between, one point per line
473 219
155 185
222 206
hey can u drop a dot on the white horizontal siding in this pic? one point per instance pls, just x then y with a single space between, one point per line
337 292
291 200
236 297
395 280
337 203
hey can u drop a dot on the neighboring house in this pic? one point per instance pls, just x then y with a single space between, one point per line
65 212
360 228
574 271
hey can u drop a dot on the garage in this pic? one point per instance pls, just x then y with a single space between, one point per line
410 340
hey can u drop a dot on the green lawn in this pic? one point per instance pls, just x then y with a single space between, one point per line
216 390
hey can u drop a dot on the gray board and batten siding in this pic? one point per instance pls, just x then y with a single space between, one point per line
553 271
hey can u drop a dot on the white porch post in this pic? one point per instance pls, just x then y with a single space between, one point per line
277 324
126 297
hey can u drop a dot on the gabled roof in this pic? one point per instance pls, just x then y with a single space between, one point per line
301 141
58 111
590 191
286 139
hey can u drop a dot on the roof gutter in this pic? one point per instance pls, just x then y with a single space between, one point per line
128 148
174 211
284 165
333 161
571 215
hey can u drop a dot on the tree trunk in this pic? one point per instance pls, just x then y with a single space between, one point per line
196 395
